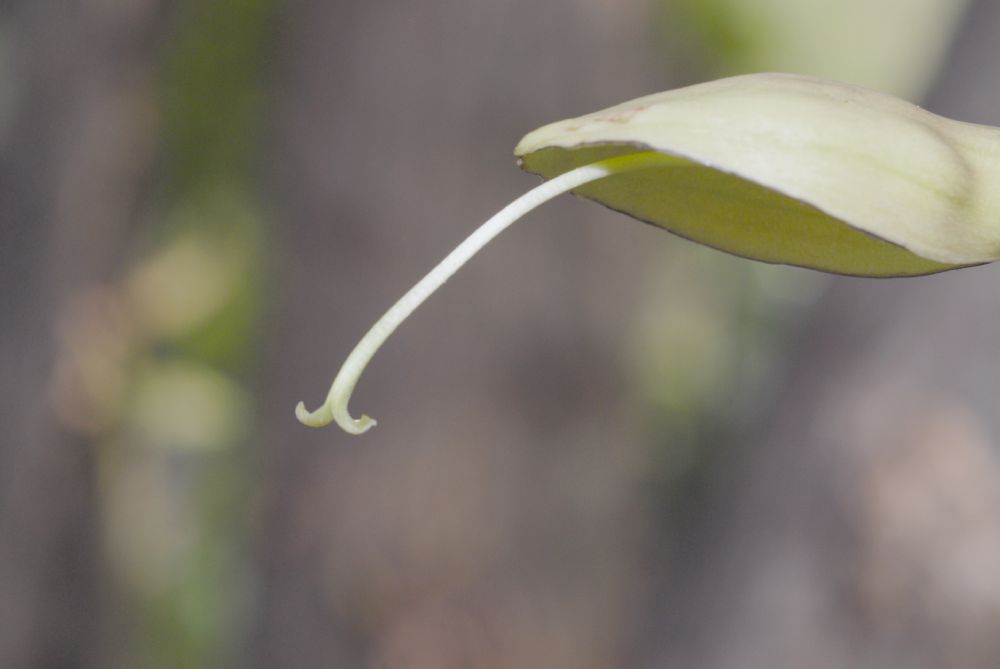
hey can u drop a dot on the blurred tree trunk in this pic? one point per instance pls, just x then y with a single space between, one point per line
449 535
72 125
861 526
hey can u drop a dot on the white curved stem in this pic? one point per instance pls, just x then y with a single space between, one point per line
335 407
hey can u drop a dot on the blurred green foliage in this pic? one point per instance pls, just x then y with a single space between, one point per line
857 41
211 92
175 470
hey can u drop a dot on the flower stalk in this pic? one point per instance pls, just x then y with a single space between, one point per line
335 407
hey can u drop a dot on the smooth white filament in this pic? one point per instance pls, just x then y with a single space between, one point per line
335 407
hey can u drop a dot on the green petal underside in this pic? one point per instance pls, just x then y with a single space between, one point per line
733 214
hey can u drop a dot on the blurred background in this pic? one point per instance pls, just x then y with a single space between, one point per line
599 446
